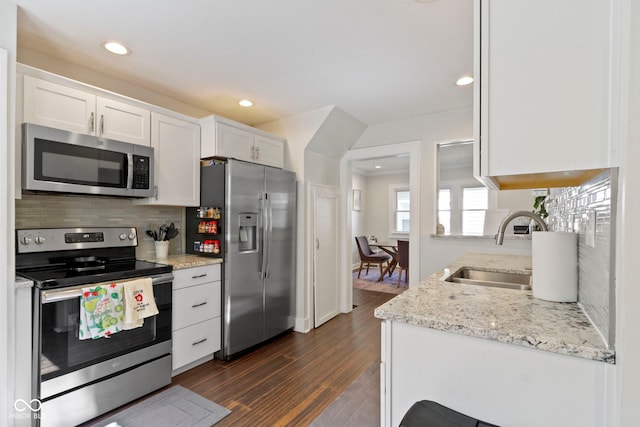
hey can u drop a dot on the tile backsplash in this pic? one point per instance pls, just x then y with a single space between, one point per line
50 211
590 211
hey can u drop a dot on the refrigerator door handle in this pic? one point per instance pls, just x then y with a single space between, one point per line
263 205
269 235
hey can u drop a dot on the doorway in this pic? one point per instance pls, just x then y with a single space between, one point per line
410 149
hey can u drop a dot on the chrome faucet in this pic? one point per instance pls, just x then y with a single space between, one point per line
503 224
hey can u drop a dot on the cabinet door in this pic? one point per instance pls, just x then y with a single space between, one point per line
544 85
233 142
269 151
123 122
176 146
57 106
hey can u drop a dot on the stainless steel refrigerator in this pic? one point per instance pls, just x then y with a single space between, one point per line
259 229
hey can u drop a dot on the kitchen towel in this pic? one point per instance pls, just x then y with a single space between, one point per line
101 311
555 266
139 302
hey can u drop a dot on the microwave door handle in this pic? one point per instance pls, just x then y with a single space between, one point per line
129 171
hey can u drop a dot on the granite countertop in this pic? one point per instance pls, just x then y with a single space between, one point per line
503 315
182 261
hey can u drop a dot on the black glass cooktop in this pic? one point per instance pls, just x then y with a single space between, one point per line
62 275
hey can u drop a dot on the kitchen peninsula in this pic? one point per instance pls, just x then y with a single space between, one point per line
494 354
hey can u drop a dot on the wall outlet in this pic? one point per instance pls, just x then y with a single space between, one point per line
539 192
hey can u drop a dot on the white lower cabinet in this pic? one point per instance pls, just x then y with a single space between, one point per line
499 383
196 326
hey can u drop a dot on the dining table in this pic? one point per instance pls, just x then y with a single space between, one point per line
392 250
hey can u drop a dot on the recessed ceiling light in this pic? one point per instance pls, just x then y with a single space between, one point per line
246 103
463 81
378 167
116 48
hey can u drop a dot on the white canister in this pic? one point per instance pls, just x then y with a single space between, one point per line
555 266
162 249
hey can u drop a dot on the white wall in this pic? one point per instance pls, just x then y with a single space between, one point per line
8 40
358 218
377 203
454 125
628 250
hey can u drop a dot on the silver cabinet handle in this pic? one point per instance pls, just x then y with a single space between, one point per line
200 304
101 124
92 120
199 276
257 153
199 342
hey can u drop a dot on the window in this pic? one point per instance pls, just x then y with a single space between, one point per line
444 209
401 210
475 201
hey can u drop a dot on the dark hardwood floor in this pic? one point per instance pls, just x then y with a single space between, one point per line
290 381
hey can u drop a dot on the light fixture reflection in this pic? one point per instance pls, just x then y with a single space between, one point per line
246 103
463 81
116 48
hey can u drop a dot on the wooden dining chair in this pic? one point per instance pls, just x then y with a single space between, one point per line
367 256
403 260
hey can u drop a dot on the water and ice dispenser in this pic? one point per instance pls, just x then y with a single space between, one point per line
247 231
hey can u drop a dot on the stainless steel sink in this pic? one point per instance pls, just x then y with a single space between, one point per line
497 279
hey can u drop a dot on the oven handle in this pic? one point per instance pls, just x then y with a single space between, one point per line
76 291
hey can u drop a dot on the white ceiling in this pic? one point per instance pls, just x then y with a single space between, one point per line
378 60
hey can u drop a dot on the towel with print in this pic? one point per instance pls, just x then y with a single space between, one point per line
101 311
139 302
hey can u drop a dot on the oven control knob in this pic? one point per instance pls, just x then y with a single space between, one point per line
132 236
25 240
39 240
123 236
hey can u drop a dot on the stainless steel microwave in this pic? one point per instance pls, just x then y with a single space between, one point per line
61 161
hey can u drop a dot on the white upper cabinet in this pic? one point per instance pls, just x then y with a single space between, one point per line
123 122
226 138
543 90
61 107
176 146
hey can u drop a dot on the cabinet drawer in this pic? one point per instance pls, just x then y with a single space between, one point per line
195 276
195 342
195 304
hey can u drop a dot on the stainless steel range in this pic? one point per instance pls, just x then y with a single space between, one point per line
78 379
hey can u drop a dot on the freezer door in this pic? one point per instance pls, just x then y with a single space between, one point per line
280 261
243 284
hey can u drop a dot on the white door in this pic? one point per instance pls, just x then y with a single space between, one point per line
123 122
326 231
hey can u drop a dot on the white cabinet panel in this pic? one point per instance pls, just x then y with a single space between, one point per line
195 304
234 142
177 161
61 107
225 138
269 151
503 384
195 342
50 104
123 122
544 90
196 314
195 276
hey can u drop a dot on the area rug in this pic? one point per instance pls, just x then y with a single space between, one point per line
357 405
369 282
173 407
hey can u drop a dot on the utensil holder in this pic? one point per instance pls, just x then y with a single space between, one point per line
162 249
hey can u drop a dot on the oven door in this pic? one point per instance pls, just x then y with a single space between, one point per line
65 362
